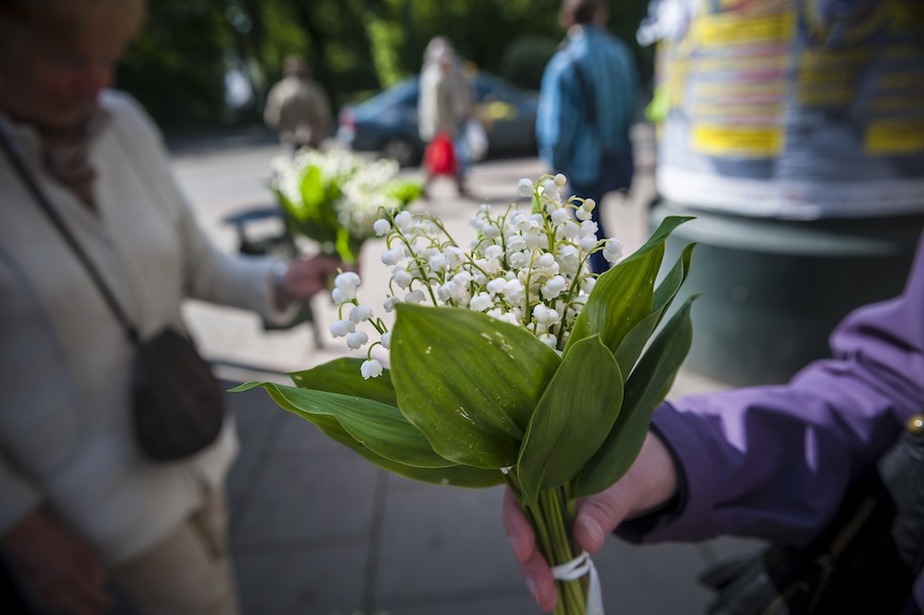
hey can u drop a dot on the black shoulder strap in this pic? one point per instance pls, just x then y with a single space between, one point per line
42 199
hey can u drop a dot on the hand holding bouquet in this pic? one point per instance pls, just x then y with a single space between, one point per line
509 361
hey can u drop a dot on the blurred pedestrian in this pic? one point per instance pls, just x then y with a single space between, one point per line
93 223
297 107
445 104
587 105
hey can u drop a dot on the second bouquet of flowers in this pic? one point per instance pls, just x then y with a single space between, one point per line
333 197
509 361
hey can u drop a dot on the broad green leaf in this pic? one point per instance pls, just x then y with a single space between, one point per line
624 295
645 389
572 419
379 427
343 376
620 299
312 188
469 382
632 345
457 475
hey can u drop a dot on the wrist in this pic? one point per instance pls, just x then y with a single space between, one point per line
280 287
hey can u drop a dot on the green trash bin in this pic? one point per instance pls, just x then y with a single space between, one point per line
772 290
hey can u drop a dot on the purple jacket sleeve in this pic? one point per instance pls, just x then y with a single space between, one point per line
773 462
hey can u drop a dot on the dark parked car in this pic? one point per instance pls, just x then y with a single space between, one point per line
387 122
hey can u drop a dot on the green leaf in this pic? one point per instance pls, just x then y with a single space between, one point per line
624 295
645 389
469 382
456 475
379 427
572 419
343 376
632 345
312 188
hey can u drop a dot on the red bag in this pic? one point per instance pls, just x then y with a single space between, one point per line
440 155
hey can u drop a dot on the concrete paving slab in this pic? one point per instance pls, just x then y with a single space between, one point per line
319 581
309 498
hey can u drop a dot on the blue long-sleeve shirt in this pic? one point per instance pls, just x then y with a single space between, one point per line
569 142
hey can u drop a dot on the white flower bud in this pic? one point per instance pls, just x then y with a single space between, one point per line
403 220
554 287
525 188
348 280
381 227
560 215
549 340
560 180
497 285
612 250
415 296
390 257
357 339
341 328
338 296
401 277
481 302
386 340
371 369
360 313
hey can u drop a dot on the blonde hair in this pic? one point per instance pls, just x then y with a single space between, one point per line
74 19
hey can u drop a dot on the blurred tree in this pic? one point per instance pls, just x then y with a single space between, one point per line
179 65
176 68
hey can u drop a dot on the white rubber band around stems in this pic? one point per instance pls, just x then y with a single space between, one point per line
574 570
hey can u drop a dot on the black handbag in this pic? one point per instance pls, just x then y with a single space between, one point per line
865 561
177 404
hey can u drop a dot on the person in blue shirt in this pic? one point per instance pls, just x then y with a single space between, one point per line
587 105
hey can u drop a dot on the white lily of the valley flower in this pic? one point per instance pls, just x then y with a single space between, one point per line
391 257
341 328
612 250
381 227
360 313
525 188
371 369
481 302
357 339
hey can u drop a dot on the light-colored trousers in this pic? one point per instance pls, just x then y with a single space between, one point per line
189 572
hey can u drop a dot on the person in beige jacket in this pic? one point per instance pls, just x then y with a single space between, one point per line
297 107
81 506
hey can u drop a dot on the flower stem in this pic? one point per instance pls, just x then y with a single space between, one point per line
552 517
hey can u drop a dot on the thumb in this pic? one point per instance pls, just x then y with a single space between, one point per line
597 517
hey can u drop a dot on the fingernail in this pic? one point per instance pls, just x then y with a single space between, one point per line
533 590
593 530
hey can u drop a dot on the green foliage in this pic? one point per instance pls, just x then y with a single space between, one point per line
177 66
525 59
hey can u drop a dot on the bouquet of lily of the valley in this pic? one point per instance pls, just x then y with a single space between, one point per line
335 196
509 362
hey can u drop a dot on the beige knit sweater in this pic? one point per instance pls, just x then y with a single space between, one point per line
65 363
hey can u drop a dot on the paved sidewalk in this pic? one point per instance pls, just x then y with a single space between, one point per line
318 530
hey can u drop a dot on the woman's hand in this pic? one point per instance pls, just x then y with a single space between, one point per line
56 570
649 483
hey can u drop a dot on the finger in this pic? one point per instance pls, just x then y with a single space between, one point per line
596 518
519 532
538 578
